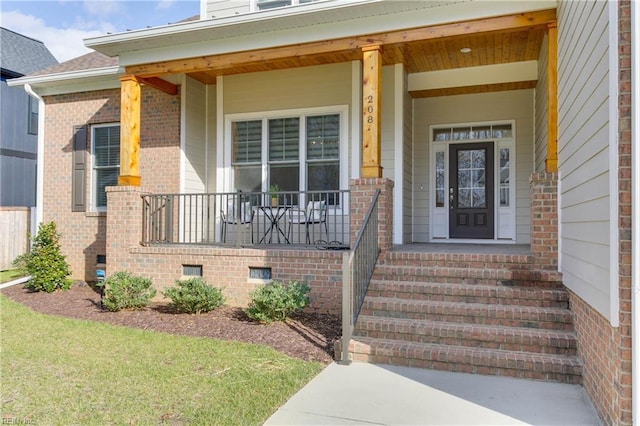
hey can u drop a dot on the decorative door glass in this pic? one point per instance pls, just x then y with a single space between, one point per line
472 192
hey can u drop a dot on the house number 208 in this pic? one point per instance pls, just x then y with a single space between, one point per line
370 109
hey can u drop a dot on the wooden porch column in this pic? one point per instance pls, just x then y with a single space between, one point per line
129 131
371 111
552 95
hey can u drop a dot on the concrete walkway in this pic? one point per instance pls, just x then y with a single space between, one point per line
388 395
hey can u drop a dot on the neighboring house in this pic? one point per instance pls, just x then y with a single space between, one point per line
20 55
479 121
19 112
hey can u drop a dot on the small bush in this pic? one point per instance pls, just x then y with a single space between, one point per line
20 263
125 291
45 262
276 302
194 296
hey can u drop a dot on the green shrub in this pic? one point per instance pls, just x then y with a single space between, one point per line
125 291
20 263
276 302
45 262
194 296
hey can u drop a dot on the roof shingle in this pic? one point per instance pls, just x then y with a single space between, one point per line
89 61
23 55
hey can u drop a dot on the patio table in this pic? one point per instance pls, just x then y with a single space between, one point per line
274 214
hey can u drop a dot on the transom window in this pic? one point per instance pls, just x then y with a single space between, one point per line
105 143
293 152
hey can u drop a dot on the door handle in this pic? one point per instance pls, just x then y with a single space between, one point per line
451 198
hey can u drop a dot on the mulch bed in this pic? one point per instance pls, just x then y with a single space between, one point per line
308 336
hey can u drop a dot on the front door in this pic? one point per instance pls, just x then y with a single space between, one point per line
471 192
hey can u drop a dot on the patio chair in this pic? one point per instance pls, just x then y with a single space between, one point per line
231 217
314 214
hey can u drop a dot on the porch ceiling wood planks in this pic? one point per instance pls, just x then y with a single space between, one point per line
495 40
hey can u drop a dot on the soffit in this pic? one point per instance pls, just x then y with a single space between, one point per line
498 47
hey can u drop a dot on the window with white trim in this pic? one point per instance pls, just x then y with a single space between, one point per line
105 151
295 152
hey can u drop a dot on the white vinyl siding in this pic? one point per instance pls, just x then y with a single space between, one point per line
407 188
583 137
222 8
483 107
307 87
396 149
211 138
195 149
389 111
542 106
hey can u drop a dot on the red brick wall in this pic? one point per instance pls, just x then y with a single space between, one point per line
362 192
606 350
544 220
222 267
83 233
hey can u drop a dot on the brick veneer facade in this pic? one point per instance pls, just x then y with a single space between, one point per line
544 220
606 350
229 268
221 266
84 233
362 192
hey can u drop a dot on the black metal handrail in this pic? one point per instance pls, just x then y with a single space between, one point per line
310 218
358 266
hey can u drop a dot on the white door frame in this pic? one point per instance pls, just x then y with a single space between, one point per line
441 137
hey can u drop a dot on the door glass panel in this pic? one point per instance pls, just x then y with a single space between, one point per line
505 173
464 160
471 178
440 179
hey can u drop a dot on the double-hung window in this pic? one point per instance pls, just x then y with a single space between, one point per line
296 152
105 143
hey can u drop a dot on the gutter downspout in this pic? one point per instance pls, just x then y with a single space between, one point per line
635 213
40 158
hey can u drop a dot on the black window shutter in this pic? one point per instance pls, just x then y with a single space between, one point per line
79 174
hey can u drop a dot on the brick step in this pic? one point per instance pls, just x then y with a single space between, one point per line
470 293
470 335
461 260
564 369
471 313
455 274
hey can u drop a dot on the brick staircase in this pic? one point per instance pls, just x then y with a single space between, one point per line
474 313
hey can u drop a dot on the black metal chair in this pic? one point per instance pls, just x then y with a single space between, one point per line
231 217
314 214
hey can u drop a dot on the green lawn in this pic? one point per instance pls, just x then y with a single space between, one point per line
70 372
11 274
